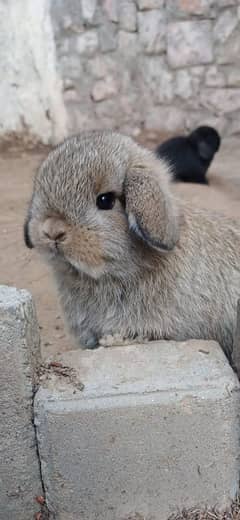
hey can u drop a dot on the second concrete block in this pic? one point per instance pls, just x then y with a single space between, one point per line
155 429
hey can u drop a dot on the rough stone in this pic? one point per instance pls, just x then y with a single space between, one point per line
107 111
68 84
26 45
165 91
229 51
127 45
66 23
103 65
189 43
98 67
104 89
108 37
233 77
222 100
185 8
63 47
128 103
20 480
87 43
226 3
82 116
165 118
152 31
144 5
225 25
197 77
68 19
71 94
128 16
183 86
158 78
155 429
234 124
111 9
88 10
215 77
71 67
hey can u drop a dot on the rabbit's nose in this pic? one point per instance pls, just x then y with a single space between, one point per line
56 236
54 230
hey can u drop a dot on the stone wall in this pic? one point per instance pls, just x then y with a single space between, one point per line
131 64
154 64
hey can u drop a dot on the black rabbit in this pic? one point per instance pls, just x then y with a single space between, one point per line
190 156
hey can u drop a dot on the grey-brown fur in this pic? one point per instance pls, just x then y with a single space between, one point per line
175 274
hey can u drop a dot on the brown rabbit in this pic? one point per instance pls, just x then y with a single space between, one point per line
129 259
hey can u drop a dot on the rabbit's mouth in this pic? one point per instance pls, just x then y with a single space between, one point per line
50 252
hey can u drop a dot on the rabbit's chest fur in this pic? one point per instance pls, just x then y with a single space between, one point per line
192 293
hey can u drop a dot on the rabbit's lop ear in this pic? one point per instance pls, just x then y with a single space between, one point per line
151 209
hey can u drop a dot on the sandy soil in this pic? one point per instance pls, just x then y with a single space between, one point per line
23 269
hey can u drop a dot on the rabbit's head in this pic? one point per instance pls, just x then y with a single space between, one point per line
102 205
206 140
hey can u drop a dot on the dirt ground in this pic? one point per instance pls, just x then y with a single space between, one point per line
22 268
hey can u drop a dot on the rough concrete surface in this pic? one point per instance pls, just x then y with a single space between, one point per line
30 90
155 428
20 481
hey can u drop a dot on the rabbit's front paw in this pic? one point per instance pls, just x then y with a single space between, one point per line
111 340
117 340
89 342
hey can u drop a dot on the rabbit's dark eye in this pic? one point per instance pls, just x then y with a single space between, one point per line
106 200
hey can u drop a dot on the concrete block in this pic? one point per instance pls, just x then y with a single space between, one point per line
20 481
155 428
